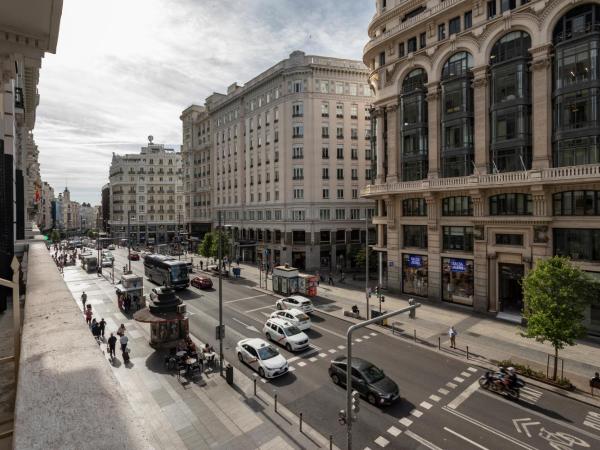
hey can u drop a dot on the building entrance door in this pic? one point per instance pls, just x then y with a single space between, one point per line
510 290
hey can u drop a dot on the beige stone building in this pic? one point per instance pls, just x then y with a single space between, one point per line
290 151
487 144
146 195
46 216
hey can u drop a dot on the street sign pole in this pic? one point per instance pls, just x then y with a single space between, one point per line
220 268
367 293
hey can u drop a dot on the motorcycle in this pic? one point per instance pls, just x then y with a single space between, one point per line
495 382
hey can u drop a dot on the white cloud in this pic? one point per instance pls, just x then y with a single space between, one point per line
125 69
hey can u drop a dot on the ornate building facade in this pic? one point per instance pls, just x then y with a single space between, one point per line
487 144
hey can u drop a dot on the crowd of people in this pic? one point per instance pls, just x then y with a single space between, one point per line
62 256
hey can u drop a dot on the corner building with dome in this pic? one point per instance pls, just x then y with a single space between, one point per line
487 142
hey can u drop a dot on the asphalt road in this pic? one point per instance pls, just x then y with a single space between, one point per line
442 405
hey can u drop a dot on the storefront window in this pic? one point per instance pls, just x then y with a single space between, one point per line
578 244
457 280
414 275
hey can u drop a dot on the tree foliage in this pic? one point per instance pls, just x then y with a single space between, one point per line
209 247
556 295
360 259
55 236
206 245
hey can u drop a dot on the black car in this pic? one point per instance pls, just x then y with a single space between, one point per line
368 379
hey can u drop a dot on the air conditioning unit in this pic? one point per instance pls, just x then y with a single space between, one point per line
181 309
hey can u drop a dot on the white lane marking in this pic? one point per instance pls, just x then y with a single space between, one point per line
249 327
291 368
451 385
394 431
263 380
422 441
313 359
489 428
435 398
366 336
406 422
318 327
245 298
341 347
295 358
464 395
373 334
301 363
465 374
592 420
458 379
530 395
381 441
322 355
416 413
472 369
465 438
258 309
443 391
358 340
425 405
332 350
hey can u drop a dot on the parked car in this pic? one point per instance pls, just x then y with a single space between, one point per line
107 262
108 255
134 257
294 316
262 357
285 334
202 282
295 302
112 247
368 379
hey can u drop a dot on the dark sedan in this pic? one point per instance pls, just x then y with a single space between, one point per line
134 257
202 282
368 379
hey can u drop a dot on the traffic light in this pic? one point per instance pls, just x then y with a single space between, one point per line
413 312
355 402
382 299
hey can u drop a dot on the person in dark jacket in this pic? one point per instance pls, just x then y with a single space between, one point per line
112 345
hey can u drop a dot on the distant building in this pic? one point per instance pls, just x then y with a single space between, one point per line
45 216
105 209
146 195
88 216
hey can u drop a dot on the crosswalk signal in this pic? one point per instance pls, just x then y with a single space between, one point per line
355 402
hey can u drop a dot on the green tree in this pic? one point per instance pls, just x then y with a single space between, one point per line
359 259
91 234
225 242
55 236
206 245
556 295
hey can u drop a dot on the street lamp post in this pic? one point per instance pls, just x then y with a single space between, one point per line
221 330
367 294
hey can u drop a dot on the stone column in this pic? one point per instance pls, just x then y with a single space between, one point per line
379 144
541 101
434 247
433 111
392 143
481 123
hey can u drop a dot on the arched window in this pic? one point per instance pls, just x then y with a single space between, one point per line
510 103
576 90
457 116
413 126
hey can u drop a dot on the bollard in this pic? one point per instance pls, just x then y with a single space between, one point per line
467 352
300 422
275 402
415 333
439 343
331 442
255 386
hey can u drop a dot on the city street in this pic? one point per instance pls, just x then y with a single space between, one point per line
441 405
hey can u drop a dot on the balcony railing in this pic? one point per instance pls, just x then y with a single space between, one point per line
585 173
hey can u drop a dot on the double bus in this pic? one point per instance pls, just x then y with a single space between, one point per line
166 271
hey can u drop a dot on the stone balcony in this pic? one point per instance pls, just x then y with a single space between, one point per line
553 175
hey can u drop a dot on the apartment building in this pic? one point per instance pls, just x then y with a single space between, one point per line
487 145
105 209
195 155
46 216
146 195
291 150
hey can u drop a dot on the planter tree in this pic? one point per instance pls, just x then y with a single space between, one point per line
55 236
206 245
556 294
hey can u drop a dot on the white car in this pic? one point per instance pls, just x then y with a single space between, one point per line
295 302
262 357
112 247
106 262
286 334
294 316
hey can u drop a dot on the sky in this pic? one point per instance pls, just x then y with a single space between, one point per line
126 69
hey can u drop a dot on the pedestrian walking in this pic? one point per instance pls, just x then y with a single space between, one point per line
452 333
124 340
121 330
102 325
84 299
88 315
112 344
201 264
330 280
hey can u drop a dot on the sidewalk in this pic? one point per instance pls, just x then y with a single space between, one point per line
205 414
487 338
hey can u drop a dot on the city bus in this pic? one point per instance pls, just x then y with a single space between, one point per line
166 271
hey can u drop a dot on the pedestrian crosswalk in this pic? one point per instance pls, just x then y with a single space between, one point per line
530 395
